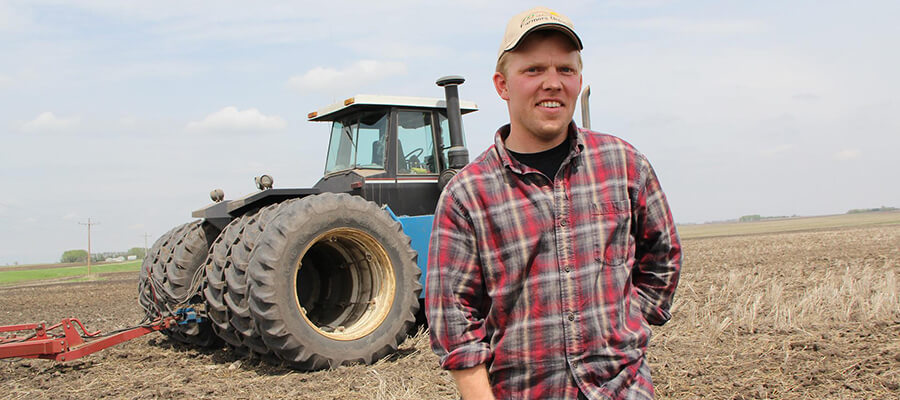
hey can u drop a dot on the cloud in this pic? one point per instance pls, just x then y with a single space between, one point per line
48 122
128 121
71 216
682 25
5 81
159 69
776 150
353 76
385 45
808 97
724 87
230 119
11 208
847 154
14 18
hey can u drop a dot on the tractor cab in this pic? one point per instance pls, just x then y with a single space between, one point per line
389 149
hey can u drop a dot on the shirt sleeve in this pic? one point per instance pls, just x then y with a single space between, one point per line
455 299
657 249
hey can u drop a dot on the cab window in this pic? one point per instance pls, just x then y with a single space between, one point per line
357 142
415 143
445 139
371 136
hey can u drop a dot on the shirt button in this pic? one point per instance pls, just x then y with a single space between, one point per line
571 316
568 269
562 222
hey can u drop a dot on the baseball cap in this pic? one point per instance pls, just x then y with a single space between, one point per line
532 20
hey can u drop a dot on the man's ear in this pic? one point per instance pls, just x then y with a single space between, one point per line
500 85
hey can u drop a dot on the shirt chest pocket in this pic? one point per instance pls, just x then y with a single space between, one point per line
610 231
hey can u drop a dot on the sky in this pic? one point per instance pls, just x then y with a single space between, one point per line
129 113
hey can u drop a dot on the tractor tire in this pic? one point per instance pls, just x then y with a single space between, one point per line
214 292
226 292
333 281
175 263
147 296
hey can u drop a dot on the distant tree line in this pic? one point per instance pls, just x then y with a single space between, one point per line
80 255
71 256
865 210
757 217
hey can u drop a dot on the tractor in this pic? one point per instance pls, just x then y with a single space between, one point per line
324 276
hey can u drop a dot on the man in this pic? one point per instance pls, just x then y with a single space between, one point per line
555 248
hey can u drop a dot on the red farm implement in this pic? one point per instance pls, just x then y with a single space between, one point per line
64 341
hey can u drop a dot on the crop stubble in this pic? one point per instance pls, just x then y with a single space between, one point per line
792 315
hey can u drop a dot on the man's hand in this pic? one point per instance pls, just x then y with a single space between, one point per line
473 383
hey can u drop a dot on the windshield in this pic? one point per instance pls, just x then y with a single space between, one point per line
357 142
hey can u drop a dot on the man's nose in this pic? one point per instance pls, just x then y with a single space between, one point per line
552 80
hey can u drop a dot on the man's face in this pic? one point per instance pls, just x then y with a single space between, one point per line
541 82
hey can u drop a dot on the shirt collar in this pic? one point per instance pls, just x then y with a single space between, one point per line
513 164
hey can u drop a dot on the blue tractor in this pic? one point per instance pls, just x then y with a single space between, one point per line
323 276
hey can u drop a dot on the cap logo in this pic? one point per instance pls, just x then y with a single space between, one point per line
535 18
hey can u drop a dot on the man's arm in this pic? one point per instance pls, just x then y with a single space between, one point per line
473 383
455 298
657 249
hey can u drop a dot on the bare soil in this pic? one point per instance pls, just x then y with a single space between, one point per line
795 316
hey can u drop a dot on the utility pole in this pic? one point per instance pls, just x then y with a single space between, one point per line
89 224
146 249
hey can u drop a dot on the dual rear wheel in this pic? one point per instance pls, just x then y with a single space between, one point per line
316 282
170 279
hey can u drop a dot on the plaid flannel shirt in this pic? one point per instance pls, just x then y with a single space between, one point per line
552 285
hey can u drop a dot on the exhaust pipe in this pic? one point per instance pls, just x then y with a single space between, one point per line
586 108
457 155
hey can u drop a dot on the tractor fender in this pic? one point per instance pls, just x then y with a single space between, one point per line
418 228
222 213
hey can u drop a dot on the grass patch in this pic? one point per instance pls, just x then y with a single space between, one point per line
10 277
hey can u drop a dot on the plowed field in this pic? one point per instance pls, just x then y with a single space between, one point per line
806 315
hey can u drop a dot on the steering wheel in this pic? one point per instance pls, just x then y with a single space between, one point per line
415 153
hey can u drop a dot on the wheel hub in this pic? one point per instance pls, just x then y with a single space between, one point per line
345 284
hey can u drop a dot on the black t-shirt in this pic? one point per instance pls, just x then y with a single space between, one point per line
547 161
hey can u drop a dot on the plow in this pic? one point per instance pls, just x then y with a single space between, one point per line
64 341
